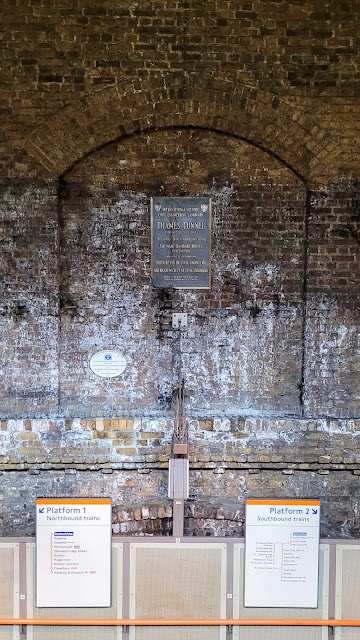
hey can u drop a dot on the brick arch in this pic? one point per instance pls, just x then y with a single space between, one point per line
252 115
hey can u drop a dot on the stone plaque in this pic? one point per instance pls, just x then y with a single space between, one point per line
108 364
181 243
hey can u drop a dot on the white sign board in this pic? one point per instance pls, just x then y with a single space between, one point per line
282 553
108 364
73 552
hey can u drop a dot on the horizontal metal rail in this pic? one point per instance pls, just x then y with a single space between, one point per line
211 622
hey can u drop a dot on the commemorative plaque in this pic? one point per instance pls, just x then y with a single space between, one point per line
108 364
180 243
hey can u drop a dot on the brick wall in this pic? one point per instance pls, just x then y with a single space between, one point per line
29 299
257 280
215 507
119 443
255 105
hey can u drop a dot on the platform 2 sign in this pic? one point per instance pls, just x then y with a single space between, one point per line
73 552
282 553
181 243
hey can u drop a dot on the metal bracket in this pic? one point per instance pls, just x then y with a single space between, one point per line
179 320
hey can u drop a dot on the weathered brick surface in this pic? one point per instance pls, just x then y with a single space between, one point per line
280 128
113 444
334 238
257 253
338 493
332 329
205 514
254 104
20 490
28 299
55 55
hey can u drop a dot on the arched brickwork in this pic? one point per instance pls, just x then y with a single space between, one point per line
258 232
248 113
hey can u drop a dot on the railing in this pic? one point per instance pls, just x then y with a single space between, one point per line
211 622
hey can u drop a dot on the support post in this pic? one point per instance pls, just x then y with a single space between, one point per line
179 463
178 491
178 518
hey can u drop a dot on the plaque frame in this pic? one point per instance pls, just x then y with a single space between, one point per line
171 284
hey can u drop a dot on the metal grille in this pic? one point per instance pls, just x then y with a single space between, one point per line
348 589
9 588
279 633
181 581
73 633
9 633
78 633
7 583
177 581
347 633
348 584
179 633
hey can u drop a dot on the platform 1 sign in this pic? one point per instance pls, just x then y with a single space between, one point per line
282 553
73 552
